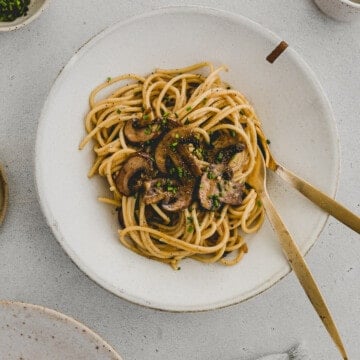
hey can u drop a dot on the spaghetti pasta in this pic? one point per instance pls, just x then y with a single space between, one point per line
176 148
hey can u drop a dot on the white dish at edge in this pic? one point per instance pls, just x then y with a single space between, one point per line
34 332
286 95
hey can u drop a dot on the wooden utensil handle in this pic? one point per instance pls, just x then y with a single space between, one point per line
302 271
319 198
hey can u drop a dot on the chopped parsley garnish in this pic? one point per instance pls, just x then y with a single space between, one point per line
12 9
173 145
118 111
171 188
108 79
259 203
268 141
180 172
215 201
219 186
199 152
186 121
148 130
172 171
219 157
166 114
189 219
232 133
146 117
158 184
189 108
190 229
176 136
211 175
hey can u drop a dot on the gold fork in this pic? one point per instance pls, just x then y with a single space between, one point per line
258 181
319 198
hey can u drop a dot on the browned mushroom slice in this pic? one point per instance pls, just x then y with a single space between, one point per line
192 163
141 131
137 132
158 189
173 145
224 155
223 147
231 192
180 199
216 188
131 172
172 195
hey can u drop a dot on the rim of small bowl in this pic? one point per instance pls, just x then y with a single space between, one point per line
27 19
59 316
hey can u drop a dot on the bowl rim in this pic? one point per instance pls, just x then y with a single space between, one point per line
27 20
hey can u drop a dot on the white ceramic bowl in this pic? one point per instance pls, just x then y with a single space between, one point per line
343 10
296 117
36 8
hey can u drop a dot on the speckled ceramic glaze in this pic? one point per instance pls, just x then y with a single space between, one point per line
288 99
343 10
30 332
36 8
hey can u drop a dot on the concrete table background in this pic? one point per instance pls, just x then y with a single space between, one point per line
35 269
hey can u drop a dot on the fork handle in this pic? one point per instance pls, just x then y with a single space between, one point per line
301 270
324 201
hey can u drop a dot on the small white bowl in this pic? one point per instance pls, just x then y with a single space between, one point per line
342 10
36 8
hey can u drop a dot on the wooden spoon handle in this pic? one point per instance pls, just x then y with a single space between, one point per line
302 271
319 198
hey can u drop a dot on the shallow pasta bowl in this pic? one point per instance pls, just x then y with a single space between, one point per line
289 101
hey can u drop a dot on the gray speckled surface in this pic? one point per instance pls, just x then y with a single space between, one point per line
34 268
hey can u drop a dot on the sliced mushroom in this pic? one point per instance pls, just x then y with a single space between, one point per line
158 189
231 192
137 132
173 145
223 147
191 162
172 195
180 199
141 130
129 176
216 188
